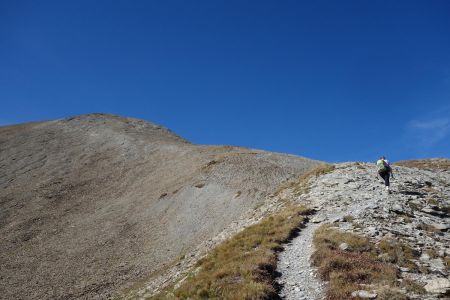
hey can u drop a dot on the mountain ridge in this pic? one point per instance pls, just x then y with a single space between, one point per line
92 203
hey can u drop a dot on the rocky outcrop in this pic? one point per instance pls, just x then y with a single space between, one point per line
415 215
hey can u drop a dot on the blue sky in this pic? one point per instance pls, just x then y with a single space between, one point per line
330 80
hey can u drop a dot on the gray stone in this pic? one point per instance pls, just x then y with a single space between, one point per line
438 286
403 269
440 226
400 220
371 229
424 257
364 294
397 208
318 219
434 212
343 246
437 264
427 210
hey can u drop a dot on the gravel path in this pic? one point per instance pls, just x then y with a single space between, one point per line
299 279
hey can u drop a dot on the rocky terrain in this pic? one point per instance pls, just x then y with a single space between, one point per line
352 198
93 205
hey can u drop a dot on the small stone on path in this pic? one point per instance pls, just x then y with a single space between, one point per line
364 294
343 246
318 219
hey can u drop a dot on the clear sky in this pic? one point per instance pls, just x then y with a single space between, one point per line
330 80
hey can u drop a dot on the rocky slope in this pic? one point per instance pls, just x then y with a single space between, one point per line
91 204
352 198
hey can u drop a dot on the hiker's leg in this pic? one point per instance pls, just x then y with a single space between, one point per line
386 178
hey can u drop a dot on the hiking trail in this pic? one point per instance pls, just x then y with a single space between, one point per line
354 190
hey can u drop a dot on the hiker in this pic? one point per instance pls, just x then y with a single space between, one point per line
385 171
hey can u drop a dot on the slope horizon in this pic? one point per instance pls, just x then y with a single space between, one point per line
217 144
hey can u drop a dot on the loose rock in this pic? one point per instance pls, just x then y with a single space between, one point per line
364 294
343 246
438 285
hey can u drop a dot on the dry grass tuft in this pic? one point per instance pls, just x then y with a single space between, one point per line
300 185
398 253
348 218
360 166
212 163
360 267
331 238
447 263
428 228
316 172
428 164
413 286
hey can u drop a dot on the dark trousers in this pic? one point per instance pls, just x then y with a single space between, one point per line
385 175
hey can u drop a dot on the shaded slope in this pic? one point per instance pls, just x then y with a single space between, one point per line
91 203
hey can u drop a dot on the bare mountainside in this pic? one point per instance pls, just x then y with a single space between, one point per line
93 203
